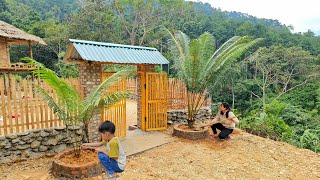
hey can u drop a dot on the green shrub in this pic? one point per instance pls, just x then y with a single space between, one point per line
311 140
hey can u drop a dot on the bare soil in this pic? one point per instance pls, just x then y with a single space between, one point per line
131 113
245 156
86 156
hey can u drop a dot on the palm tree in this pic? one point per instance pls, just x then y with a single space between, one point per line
71 108
198 63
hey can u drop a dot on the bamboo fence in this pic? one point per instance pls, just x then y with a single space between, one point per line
22 110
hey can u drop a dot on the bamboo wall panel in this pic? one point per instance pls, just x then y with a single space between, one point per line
117 112
132 85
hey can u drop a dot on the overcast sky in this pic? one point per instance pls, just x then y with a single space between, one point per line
303 15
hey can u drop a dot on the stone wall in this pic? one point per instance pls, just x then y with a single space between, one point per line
37 143
90 78
180 116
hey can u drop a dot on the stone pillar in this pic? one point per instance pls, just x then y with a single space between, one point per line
142 69
90 77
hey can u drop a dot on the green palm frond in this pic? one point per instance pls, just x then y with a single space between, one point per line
112 99
68 96
51 102
95 96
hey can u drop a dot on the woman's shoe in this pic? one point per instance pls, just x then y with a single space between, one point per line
214 136
111 176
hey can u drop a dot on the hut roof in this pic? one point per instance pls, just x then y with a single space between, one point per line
112 53
17 36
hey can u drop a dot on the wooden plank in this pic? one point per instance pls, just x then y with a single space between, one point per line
9 97
46 109
3 109
31 102
22 114
41 118
54 118
14 98
26 101
36 110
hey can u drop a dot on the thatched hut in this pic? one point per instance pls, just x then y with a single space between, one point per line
11 35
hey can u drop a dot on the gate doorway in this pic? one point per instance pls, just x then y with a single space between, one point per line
156 101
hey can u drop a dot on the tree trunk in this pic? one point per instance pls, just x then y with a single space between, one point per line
190 123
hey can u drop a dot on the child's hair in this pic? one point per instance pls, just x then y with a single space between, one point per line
107 126
227 106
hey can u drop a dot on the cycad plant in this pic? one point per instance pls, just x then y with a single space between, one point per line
198 62
71 107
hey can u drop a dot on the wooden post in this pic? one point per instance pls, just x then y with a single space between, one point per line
143 96
30 50
4 84
9 81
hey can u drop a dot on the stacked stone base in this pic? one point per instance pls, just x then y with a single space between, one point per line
60 169
189 134
181 117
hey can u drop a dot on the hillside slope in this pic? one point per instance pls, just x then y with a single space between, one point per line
244 157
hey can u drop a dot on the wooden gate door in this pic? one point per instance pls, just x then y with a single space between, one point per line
116 113
156 101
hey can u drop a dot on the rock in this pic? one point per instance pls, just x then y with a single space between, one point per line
35 144
2 138
60 137
15 140
22 142
131 128
16 152
23 134
39 139
27 138
79 132
50 154
54 133
170 122
73 127
52 142
60 128
36 135
22 147
48 130
60 148
8 153
43 148
37 130
11 136
8 146
44 134
26 154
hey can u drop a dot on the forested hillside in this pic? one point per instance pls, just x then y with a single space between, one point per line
275 87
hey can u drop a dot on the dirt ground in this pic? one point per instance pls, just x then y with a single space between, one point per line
131 108
245 156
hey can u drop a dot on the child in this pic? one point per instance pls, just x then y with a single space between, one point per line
229 122
111 154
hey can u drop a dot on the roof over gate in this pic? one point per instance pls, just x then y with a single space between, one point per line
112 53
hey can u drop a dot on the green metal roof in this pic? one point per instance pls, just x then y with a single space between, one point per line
113 53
